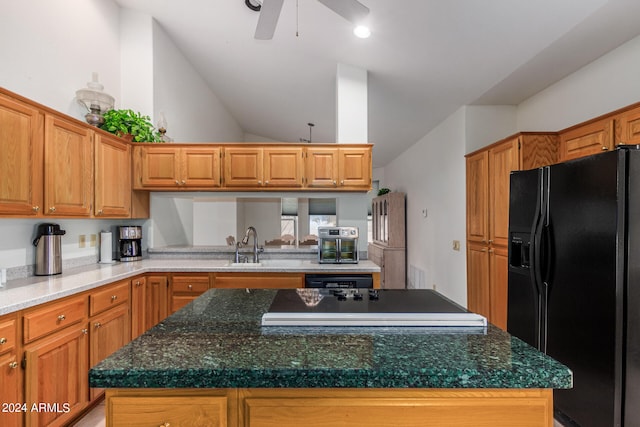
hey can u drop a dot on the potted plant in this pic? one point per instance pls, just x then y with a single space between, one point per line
128 122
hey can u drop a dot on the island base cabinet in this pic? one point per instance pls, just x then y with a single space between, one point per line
171 407
330 407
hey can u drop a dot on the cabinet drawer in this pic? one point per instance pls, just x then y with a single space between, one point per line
107 298
7 335
53 317
175 411
190 284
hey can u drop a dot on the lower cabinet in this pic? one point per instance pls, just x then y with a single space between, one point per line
487 276
259 280
56 387
156 300
329 407
185 287
138 306
10 373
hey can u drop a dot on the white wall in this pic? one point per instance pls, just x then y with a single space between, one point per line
486 124
432 174
609 83
193 112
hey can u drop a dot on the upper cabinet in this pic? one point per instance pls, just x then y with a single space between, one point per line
21 145
175 167
627 129
68 168
252 167
113 177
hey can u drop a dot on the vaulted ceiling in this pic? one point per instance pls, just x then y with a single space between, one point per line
425 58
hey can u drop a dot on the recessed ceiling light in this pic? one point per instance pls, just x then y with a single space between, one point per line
362 31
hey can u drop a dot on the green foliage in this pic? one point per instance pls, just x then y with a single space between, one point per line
383 191
122 122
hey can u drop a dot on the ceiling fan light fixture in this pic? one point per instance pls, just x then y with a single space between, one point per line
362 31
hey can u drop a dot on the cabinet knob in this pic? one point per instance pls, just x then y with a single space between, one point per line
490 251
3 340
97 325
334 183
266 182
52 209
342 182
183 182
177 182
85 331
114 297
190 287
605 148
259 182
13 365
490 241
165 425
61 317
100 212
36 208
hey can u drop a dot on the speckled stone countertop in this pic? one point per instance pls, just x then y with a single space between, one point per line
24 293
217 342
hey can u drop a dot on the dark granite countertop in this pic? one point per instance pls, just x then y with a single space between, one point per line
217 342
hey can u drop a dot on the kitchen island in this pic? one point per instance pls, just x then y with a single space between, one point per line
213 364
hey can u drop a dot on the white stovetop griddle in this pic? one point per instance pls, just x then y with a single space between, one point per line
367 307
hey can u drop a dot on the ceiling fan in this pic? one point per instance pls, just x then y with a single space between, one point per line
351 10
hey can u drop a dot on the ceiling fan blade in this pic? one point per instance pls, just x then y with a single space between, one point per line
351 10
268 19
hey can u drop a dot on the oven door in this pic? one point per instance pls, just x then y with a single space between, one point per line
348 251
328 251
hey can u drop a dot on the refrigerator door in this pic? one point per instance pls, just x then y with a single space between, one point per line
584 286
524 304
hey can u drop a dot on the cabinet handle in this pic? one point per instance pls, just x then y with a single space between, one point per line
490 251
334 183
259 182
52 209
85 331
138 283
342 182
490 241
177 182
100 212
97 325
13 365
190 287
184 182
3 340
605 148
114 297
165 425
266 182
36 208
61 317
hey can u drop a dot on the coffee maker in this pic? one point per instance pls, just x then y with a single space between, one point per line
129 244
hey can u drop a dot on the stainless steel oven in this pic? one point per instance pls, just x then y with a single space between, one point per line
338 245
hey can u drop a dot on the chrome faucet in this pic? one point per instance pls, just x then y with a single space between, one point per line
256 249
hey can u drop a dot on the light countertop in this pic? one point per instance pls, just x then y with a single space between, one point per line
24 293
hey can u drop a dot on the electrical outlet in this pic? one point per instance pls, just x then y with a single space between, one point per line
456 245
82 241
93 239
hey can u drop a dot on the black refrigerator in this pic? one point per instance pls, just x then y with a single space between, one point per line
574 280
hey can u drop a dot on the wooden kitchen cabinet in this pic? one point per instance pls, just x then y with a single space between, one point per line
354 168
10 372
185 287
388 248
487 193
321 167
346 168
138 306
68 168
157 301
21 162
56 369
243 167
627 127
283 167
263 167
112 163
171 167
586 139
263 280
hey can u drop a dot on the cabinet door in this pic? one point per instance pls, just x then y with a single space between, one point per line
502 160
283 167
200 167
187 287
478 197
157 300
113 178
21 139
63 356
592 138
157 167
321 167
10 391
478 296
109 332
243 167
354 166
498 281
68 168
138 307
628 128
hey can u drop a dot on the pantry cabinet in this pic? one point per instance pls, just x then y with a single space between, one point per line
487 193
21 162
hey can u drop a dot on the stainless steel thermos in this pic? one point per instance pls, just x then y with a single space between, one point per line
48 249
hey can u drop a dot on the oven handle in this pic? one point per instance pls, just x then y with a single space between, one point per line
338 249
